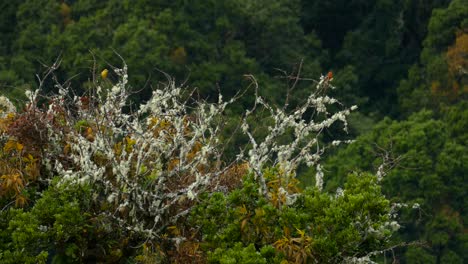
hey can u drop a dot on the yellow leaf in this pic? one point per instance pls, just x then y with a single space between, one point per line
13 144
174 230
130 141
19 146
301 232
28 158
13 182
9 145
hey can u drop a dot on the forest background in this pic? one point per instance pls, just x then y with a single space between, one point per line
404 63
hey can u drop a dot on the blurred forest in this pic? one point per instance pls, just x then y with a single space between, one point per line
403 62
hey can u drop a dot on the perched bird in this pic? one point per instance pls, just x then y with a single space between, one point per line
324 84
104 73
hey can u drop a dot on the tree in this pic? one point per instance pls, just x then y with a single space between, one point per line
434 79
425 161
141 174
379 40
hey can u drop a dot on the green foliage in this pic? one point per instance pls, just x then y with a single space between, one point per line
426 163
241 254
60 227
317 226
388 57
419 256
35 21
212 43
430 84
372 43
442 27
380 39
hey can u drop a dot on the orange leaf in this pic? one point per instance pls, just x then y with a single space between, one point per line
21 201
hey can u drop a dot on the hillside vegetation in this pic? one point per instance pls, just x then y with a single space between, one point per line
238 131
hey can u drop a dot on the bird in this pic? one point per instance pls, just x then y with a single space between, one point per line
104 73
324 83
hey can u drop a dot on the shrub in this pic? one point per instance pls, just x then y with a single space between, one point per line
140 171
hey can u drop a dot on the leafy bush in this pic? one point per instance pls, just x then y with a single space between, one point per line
62 226
103 180
311 227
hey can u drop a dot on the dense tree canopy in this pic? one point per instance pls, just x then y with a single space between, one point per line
427 164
